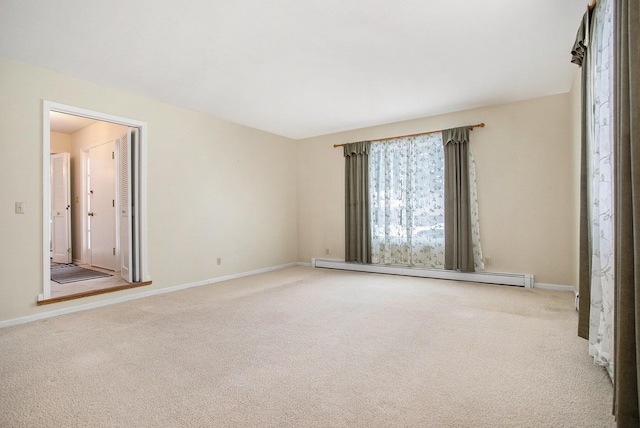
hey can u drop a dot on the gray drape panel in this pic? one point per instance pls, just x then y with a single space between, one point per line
627 257
458 245
357 217
579 56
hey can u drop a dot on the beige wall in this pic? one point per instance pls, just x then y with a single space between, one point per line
60 142
525 180
215 189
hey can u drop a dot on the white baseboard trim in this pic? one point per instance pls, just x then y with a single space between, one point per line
516 279
556 287
93 305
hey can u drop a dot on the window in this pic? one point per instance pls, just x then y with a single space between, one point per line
406 179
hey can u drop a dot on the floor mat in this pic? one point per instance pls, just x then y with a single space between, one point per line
71 273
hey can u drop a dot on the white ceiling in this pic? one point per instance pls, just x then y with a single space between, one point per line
302 68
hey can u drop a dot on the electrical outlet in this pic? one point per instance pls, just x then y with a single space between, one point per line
219 261
327 251
487 261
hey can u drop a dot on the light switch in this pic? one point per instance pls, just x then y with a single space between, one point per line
19 207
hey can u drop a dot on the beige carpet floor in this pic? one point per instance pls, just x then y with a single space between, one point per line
303 347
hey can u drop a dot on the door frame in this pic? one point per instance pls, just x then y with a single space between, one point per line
140 175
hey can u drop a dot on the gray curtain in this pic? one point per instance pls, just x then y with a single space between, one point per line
458 245
357 217
627 258
579 56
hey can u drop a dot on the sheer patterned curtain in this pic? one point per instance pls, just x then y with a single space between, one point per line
407 202
601 189
478 259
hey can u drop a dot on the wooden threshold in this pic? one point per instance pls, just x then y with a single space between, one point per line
92 293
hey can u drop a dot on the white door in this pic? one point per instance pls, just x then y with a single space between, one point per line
60 208
124 184
127 206
102 208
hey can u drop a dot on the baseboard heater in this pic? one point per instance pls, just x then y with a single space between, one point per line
517 279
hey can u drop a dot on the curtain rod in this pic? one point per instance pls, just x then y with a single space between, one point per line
478 125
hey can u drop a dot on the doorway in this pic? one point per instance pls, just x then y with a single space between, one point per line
105 231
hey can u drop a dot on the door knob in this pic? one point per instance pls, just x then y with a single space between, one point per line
91 214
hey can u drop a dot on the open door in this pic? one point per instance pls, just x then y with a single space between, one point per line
60 208
128 154
124 184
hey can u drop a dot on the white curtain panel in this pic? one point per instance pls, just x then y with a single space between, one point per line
601 191
407 202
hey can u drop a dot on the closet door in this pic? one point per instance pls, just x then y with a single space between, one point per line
128 205
124 205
